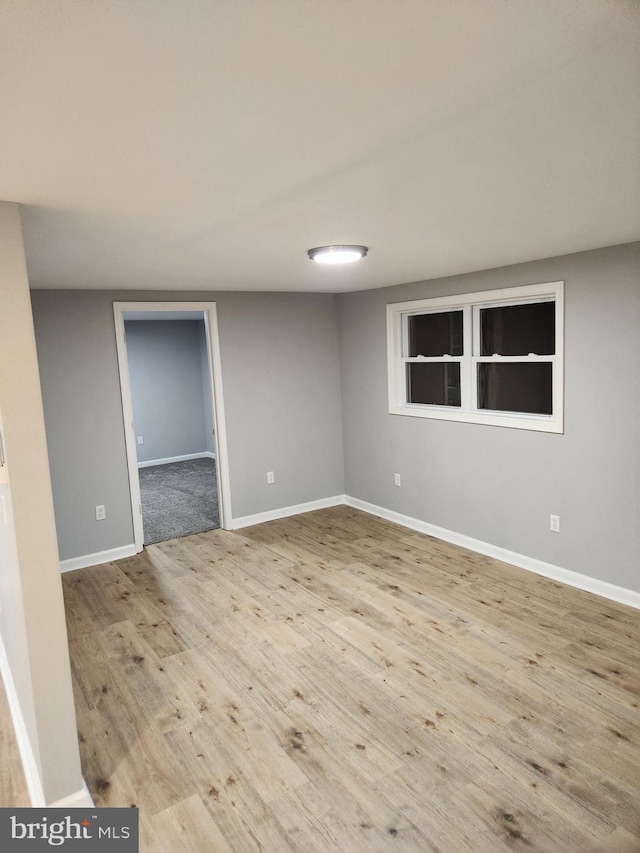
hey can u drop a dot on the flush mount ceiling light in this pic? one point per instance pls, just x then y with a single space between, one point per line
337 254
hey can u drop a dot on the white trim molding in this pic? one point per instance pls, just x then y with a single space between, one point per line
286 511
605 589
599 587
467 363
206 454
81 799
98 558
210 317
29 761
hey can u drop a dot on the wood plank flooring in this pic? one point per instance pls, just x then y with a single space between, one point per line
334 682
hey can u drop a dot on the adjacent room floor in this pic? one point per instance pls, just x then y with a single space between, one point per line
334 682
178 499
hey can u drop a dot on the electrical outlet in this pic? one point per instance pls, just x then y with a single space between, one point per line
554 523
397 481
271 478
100 513
140 440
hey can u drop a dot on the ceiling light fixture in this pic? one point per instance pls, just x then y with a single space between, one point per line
337 254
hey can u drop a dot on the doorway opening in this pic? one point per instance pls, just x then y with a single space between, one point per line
171 388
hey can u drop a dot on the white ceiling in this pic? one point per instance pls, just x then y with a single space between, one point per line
207 144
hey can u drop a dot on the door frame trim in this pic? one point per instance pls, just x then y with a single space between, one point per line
210 316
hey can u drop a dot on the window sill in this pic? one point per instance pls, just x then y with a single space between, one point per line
511 420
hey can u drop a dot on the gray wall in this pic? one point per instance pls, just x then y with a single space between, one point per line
500 485
281 379
165 368
283 406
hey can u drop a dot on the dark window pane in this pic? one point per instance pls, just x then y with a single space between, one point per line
516 387
519 329
434 382
435 334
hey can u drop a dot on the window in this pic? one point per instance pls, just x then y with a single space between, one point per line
493 357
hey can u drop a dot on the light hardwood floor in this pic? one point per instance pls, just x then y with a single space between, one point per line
334 682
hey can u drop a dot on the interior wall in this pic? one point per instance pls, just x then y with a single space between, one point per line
500 485
165 369
34 651
14 647
281 376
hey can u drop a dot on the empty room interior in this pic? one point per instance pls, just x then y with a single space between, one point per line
172 405
319 407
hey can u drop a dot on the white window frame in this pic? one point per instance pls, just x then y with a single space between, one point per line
470 304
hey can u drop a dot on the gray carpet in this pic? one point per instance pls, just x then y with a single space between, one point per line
178 499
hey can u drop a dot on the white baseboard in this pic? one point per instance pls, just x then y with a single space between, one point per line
285 512
98 558
29 762
206 454
82 799
548 570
